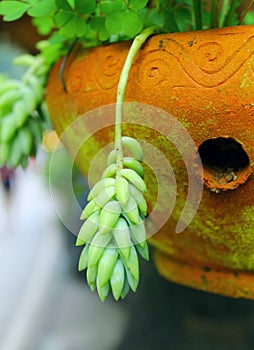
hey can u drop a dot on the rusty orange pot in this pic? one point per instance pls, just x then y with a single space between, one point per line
205 79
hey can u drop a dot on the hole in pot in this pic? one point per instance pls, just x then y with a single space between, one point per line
226 164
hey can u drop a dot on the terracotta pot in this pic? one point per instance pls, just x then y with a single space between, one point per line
205 80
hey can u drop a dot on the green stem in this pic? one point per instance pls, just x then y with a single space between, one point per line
245 12
197 4
223 12
229 21
137 43
214 14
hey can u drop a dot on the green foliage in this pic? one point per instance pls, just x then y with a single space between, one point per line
232 17
13 10
94 22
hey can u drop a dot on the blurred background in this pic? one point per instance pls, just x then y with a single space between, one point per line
45 303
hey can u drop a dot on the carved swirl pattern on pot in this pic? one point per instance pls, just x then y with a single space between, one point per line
207 64
221 65
154 69
74 82
210 57
107 71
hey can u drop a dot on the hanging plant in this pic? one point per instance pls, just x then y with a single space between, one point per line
113 232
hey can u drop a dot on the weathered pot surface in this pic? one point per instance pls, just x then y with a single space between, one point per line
205 80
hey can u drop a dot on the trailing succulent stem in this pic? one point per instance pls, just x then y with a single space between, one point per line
137 43
114 231
21 115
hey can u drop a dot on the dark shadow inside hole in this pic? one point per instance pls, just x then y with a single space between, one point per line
223 153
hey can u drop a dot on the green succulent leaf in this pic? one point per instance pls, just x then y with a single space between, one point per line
21 123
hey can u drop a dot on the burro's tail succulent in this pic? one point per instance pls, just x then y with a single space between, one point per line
113 231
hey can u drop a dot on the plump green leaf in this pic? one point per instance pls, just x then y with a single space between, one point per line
12 10
85 7
137 4
125 22
42 8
